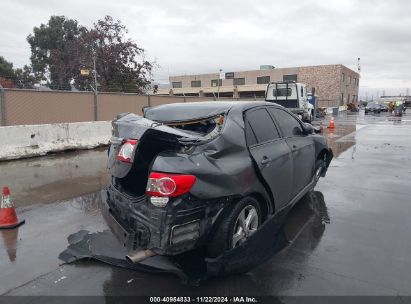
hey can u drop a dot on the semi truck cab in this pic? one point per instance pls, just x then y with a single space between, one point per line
291 95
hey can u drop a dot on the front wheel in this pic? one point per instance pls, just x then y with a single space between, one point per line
310 118
241 220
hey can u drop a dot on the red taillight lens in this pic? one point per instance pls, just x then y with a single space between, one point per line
171 185
126 151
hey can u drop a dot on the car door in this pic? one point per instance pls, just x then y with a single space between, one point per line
271 154
301 145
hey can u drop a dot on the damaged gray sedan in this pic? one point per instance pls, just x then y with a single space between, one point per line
206 174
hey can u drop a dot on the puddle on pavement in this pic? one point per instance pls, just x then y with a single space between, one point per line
192 267
10 238
343 136
55 177
52 221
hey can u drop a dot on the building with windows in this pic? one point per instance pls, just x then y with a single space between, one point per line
334 85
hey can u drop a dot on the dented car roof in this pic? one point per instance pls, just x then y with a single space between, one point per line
193 110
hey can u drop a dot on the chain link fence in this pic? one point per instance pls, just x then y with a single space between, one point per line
28 107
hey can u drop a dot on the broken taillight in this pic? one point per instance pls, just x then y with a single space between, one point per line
169 185
126 151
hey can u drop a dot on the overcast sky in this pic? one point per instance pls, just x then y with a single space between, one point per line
194 36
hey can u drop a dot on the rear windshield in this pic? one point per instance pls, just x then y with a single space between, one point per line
184 112
282 92
203 126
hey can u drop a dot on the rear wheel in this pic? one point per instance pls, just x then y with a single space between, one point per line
241 220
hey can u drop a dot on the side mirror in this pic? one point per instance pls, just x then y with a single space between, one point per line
308 128
297 131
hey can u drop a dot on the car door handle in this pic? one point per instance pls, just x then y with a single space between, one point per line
294 148
265 160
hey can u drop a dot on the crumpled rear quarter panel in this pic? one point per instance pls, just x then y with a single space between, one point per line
223 167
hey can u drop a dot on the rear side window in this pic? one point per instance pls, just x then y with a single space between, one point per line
249 135
289 126
260 124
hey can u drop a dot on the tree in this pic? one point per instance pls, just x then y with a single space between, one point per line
20 78
60 48
120 62
6 73
6 69
53 51
25 78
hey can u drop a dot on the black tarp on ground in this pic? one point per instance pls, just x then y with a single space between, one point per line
192 267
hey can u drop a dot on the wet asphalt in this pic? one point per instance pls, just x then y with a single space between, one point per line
357 243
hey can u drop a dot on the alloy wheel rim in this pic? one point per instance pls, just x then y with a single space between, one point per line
245 225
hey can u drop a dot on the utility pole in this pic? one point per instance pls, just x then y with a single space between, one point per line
95 86
218 84
85 71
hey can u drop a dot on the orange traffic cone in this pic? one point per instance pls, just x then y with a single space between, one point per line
8 216
331 126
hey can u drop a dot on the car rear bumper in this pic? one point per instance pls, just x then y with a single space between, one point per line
138 224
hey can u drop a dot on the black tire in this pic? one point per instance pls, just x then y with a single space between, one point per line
222 238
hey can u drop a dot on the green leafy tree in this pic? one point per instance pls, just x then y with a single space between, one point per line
6 73
6 69
25 78
120 62
62 47
20 78
54 50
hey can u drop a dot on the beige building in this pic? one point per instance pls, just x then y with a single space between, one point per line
334 84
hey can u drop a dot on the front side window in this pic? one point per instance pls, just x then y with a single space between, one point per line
261 126
288 124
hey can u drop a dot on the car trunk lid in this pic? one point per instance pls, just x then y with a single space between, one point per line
150 138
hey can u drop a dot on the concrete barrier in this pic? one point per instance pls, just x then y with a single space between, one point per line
34 140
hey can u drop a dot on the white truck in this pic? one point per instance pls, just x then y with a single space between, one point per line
291 95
